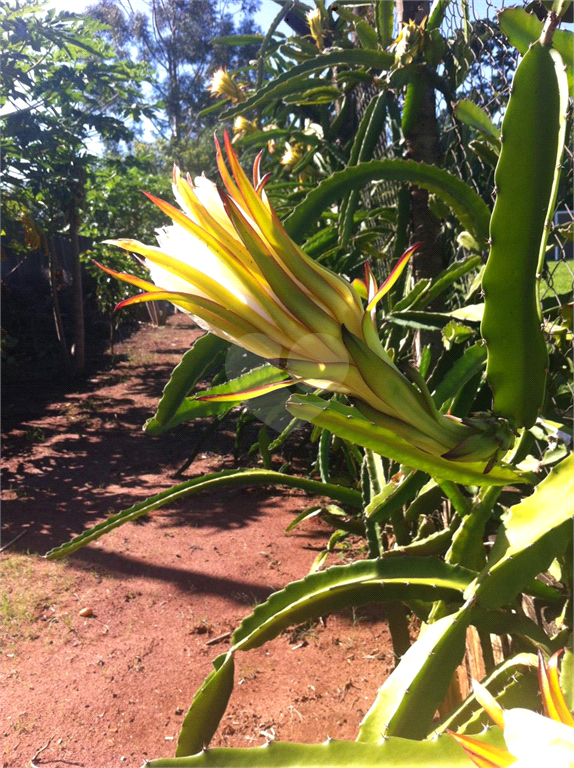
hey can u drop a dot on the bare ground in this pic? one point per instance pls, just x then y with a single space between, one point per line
112 688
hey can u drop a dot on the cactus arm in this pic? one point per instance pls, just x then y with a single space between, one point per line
467 206
435 544
320 593
407 701
526 180
467 546
206 353
207 708
532 534
523 28
227 478
393 753
356 584
514 683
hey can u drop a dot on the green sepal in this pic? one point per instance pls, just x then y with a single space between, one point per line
348 423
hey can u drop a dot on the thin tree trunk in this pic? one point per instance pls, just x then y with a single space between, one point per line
77 295
60 332
422 145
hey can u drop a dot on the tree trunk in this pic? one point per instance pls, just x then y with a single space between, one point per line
77 295
421 134
60 332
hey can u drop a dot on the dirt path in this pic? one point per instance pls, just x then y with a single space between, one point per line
111 689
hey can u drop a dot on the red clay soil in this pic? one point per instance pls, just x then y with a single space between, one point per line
111 688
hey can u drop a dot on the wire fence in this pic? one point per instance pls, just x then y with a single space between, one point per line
491 67
485 62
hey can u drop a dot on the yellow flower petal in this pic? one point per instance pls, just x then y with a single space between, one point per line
552 696
489 703
483 755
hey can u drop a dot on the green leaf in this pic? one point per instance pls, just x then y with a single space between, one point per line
408 699
466 205
348 423
392 753
523 28
367 35
207 708
237 40
532 534
466 366
207 352
281 84
228 478
474 116
365 581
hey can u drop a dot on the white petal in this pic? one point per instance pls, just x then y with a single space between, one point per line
538 741
182 245
208 196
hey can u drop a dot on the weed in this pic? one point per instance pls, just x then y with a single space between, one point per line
24 596
34 435
303 632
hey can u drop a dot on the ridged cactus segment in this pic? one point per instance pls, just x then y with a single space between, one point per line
408 699
514 684
526 181
435 544
468 207
392 753
206 352
227 478
359 583
532 534
207 708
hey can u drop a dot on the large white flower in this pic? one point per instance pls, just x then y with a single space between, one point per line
227 260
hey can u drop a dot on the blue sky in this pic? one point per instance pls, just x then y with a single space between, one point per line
267 12
268 9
